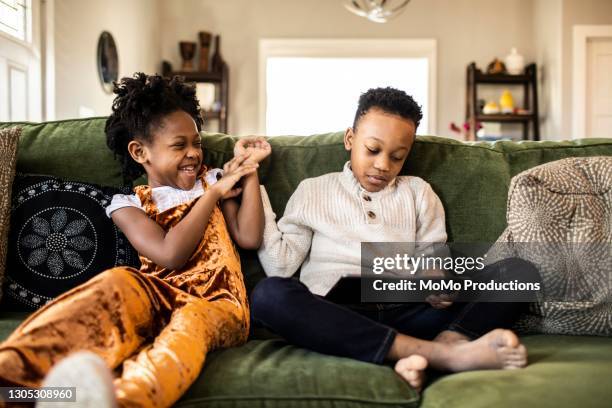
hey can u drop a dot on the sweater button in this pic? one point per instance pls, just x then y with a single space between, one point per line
371 214
367 197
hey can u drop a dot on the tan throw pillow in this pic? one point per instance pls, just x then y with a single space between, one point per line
560 218
9 138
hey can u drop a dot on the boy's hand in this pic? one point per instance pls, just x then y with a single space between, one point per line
233 171
439 300
256 146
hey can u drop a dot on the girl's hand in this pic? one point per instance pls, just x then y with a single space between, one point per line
256 146
233 171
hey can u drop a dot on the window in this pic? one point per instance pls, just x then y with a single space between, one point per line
20 60
15 18
312 86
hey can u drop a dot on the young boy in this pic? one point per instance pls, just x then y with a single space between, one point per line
324 223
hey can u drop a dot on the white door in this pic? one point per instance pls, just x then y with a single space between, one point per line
20 61
599 87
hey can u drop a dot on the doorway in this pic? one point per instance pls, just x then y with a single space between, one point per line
599 87
592 83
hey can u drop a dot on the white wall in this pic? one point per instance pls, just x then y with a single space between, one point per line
77 26
147 31
548 44
466 30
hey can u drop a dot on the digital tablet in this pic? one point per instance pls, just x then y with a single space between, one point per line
346 291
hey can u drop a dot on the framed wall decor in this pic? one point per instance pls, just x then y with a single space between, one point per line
107 61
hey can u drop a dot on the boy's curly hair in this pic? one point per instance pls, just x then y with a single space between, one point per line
141 103
389 100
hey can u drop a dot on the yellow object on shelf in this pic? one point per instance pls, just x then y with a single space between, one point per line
490 108
506 102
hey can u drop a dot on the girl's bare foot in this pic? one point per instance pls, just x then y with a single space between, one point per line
498 349
412 370
90 376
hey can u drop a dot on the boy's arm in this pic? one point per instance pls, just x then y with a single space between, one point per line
245 219
430 222
431 227
286 244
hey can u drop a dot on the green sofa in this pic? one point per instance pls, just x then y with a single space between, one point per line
472 180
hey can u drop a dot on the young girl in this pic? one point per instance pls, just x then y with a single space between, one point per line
155 325
325 221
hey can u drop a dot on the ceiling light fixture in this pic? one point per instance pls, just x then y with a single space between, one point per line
378 11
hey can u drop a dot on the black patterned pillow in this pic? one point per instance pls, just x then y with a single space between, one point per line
60 237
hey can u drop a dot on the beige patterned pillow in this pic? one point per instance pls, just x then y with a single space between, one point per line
9 138
560 218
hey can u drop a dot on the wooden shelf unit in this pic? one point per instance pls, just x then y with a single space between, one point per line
528 80
221 81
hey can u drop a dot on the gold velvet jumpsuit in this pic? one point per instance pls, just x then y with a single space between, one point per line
153 326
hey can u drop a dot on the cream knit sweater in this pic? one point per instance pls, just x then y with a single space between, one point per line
328 217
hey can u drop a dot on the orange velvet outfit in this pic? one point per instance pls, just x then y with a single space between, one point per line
153 326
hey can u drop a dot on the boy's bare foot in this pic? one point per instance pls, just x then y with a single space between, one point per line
498 349
451 337
412 370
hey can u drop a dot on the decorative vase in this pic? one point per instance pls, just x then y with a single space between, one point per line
506 102
217 60
205 39
515 62
187 49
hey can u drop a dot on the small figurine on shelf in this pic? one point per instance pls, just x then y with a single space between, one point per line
506 102
496 67
490 108
166 68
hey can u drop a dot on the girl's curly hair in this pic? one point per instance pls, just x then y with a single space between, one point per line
138 109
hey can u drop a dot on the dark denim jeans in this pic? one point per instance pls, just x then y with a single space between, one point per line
366 332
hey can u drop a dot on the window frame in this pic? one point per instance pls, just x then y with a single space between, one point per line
349 48
28 41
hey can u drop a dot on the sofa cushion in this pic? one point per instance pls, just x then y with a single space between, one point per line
60 237
560 219
9 139
563 371
270 373
74 148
